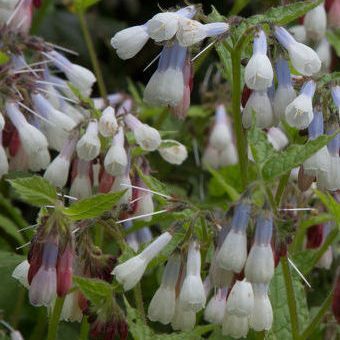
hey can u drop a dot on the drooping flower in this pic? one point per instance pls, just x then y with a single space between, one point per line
88 146
183 320
192 296
176 153
304 59
299 33
324 51
215 309
233 252
299 113
315 23
108 125
258 73
130 272
162 305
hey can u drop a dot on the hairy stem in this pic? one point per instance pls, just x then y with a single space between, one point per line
308 332
290 297
93 56
241 141
84 329
281 188
137 292
54 319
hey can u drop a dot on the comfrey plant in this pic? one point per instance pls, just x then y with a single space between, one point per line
205 213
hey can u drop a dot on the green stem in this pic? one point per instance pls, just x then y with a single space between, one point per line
18 307
290 297
241 141
54 319
137 292
39 330
93 56
307 333
281 188
84 329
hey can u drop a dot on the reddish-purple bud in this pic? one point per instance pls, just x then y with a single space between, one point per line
65 271
314 236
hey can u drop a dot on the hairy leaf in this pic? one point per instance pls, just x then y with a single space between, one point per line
35 190
293 156
93 206
11 229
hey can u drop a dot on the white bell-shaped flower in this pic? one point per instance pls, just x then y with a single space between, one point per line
211 157
20 273
218 276
324 51
258 102
285 92
229 155
88 146
233 252
315 23
299 33
240 301
33 142
163 303
116 159
277 138
262 315
258 74
330 179
235 326
221 135
259 267
192 295
166 86
304 59
146 136
183 320
71 310
108 125
130 41
215 309
176 153
130 272
299 113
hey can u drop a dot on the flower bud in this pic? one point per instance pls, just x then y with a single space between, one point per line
324 51
108 125
260 103
176 153
80 77
299 113
88 146
33 142
116 159
44 284
235 326
233 252
58 170
315 23
304 59
192 295
146 136
240 301
327 257
299 33
262 316
285 92
259 267
163 26
258 74
183 320
162 305
166 86
214 311
130 272
71 310
81 186
220 136
65 271
130 41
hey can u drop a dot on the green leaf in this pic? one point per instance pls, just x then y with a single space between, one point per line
260 146
231 191
94 290
334 39
11 212
281 328
4 58
93 206
35 190
282 162
11 229
331 205
153 183
238 6
83 5
10 259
